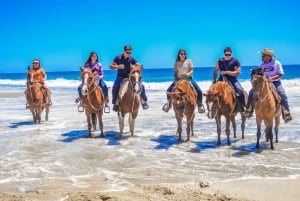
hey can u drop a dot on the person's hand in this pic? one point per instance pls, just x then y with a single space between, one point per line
224 72
121 66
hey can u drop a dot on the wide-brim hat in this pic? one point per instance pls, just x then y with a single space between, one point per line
267 51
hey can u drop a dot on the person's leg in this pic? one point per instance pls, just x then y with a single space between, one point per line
115 91
79 94
249 106
144 97
166 107
284 101
201 108
104 90
239 89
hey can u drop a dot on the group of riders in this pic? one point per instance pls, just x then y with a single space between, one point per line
228 67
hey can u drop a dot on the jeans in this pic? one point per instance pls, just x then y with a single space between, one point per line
102 85
280 90
239 89
195 85
116 87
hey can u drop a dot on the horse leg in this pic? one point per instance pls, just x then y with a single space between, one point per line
121 123
100 122
269 129
32 110
232 119
131 121
179 126
47 112
39 114
243 125
88 119
218 122
277 122
258 132
94 119
228 130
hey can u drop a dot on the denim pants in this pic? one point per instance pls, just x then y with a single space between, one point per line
116 87
102 85
239 89
280 90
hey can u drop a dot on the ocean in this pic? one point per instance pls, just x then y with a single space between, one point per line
57 153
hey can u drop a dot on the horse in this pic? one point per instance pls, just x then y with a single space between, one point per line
221 100
93 100
265 105
35 98
129 98
183 98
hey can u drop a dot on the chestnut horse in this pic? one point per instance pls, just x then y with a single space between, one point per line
265 105
130 98
221 100
183 98
92 100
35 98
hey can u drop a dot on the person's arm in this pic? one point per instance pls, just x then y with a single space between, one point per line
115 64
44 75
215 73
100 71
235 73
191 68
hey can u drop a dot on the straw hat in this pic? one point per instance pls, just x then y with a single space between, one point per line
268 51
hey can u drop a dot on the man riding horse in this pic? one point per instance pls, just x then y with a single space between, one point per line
38 76
230 69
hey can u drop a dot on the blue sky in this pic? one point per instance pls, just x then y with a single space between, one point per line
62 33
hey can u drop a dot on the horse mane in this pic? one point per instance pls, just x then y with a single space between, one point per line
136 69
223 89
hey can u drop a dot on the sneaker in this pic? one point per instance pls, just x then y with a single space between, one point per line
145 106
248 114
116 108
288 118
201 108
166 107
77 100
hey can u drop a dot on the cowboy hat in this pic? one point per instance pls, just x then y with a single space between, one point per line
267 51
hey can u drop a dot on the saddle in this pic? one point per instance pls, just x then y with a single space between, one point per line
236 97
275 94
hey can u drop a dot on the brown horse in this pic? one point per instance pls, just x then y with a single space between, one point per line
92 100
35 98
183 98
265 105
221 100
129 98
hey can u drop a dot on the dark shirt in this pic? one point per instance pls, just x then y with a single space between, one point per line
228 66
120 59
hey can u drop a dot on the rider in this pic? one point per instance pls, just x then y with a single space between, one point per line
93 63
273 71
39 76
123 64
183 69
230 68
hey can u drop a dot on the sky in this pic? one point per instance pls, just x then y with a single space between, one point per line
62 33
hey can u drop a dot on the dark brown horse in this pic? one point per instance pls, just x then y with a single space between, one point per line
35 98
265 105
92 100
183 98
129 98
221 100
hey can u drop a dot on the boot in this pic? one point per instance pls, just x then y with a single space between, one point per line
167 106
201 108
145 105
106 101
249 112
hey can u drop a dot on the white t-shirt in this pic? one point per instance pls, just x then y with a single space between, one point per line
183 67
272 68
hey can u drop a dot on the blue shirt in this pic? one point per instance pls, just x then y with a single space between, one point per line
229 65
120 59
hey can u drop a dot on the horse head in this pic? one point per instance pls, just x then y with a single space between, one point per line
179 94
257 81
87 78
212 103
135 78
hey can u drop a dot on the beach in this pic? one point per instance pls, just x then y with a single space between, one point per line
55 160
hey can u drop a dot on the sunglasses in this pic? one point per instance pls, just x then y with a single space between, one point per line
227 55
182 53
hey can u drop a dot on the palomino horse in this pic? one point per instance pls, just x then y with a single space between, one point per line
129 98
93 100
266 107
183 97
221 100
35 98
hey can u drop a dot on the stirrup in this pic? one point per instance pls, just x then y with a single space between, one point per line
106 109
166 107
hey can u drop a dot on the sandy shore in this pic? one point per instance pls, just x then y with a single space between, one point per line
243 190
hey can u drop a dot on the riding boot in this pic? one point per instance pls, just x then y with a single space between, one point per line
286 115
167 106
249 111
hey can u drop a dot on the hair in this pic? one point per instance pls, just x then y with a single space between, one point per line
227 49
179 51
90 58
127 47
